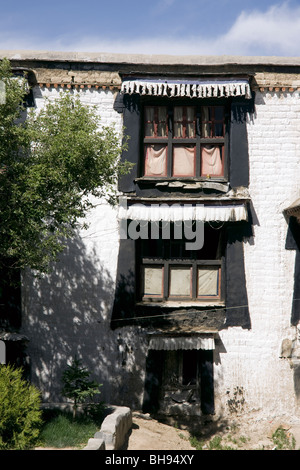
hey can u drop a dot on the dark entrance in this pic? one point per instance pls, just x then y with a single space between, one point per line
179 382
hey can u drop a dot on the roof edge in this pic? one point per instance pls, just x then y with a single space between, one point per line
146 59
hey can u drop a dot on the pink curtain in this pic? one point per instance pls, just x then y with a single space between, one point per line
155 161
183 161
211 161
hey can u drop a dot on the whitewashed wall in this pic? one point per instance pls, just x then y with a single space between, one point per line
252 359
68 312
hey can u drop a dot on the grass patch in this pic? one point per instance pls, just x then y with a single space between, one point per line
217 443
283 440
61 430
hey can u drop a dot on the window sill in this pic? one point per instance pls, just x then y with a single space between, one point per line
181 303
188 183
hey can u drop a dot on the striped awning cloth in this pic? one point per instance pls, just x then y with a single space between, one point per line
172 343
212 88
184 212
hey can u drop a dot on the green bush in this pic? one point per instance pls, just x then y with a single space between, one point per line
20 414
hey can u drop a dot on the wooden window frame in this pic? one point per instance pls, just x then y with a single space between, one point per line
198 141
167 264
171 253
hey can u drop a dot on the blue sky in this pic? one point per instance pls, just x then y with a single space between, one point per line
189 27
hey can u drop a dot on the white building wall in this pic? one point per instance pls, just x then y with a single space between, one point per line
252 359
68 313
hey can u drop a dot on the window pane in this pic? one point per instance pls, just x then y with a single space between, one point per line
183 160
211 160
149 122
208 281
162 121
219 121
153 281
212 118
184 121
178 121
191 122
180 282
206 129
155 160
156 121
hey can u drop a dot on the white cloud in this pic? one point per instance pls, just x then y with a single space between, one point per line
273 32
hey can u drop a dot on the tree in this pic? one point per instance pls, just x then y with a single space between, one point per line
52 163
76 384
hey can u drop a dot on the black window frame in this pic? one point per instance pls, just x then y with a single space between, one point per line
198 140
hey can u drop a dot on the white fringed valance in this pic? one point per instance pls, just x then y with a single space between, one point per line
182 342
188 88
184 212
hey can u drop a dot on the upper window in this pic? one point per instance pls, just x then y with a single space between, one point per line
184 141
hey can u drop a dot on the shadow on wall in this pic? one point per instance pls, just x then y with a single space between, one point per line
296 368
293 243
66 314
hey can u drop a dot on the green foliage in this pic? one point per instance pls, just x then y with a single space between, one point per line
196 443
283 440
76 384
52 162
217 443
20 415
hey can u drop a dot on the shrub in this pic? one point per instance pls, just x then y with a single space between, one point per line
20 414
76 384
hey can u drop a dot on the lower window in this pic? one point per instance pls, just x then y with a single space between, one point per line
169 272
177 281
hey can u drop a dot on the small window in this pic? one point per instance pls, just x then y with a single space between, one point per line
170 272
184 141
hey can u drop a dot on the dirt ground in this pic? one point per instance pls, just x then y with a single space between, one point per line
149 434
